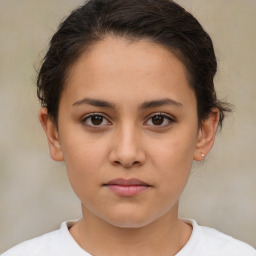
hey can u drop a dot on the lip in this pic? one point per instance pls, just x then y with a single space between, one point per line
127 187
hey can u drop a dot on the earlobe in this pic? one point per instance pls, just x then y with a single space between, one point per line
52 135
206 135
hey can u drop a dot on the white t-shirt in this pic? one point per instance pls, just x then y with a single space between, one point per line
204 241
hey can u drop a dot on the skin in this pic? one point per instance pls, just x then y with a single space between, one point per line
128 144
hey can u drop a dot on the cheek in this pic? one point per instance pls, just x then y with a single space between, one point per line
84 162
177 150
173 157
82 151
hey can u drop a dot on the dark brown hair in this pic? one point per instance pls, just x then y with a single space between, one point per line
163 22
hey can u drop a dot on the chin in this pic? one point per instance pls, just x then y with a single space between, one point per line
128 220
128 223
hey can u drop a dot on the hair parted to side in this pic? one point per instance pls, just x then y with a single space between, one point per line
163 22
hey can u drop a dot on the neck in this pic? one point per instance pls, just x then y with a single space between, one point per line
165 236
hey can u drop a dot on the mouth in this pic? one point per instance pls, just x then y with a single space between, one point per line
127 187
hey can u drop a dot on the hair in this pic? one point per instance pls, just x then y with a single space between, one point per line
164 22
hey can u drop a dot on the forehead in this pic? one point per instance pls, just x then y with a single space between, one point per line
132 68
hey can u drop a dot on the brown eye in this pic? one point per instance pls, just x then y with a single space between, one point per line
161 120
95 120
157 120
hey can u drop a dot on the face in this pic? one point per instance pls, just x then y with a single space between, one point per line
127 131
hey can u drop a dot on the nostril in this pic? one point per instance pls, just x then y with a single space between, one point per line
116 163
127 165
127 158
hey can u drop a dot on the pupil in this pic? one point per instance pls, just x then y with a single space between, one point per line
96 120
157 120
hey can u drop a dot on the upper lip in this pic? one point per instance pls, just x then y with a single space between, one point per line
127 182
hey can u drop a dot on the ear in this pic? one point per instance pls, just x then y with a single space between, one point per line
52 135
206 135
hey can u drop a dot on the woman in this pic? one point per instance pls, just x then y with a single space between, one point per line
128 102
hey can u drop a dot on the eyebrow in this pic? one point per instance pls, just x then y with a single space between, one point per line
145 105
159 103
94 102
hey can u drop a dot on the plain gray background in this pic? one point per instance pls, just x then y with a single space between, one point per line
35 195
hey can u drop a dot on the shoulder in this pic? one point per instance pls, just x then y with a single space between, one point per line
35 247
206 241
55 243
218 243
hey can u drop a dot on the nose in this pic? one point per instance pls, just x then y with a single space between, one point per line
127 150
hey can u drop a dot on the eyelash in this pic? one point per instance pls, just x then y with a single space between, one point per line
167 117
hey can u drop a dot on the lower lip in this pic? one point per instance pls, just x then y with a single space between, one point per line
131 190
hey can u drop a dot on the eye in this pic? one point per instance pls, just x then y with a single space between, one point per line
95 120
160 120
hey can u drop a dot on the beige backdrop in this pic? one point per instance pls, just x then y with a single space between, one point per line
35 195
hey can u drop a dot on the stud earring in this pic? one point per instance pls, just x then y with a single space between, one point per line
202 154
